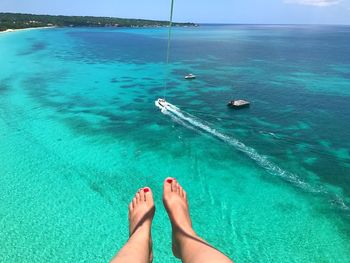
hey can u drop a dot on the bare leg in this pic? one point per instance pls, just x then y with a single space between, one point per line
138 249
186 244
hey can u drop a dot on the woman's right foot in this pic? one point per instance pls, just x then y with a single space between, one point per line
141 213
176 204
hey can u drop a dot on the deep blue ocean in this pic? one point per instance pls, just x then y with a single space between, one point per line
79 134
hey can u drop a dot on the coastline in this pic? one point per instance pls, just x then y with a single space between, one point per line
25 29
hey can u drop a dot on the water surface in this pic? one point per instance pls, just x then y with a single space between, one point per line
79 134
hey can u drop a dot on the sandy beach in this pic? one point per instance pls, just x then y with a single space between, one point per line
24 29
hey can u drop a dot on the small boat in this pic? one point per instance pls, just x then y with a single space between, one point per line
190 76
237 104
162 104
165 106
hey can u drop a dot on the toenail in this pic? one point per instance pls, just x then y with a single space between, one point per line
146 189
169 181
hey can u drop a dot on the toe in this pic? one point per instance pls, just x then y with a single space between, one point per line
142 195
178 188
138 197
148 195
182 192
134 202
167 184
173 185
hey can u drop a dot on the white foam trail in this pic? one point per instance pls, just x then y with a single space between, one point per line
178 120
252 153
190 121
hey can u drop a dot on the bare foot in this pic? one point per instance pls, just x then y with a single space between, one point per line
176 204
141 212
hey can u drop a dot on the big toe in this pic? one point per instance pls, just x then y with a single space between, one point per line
147 195
169 185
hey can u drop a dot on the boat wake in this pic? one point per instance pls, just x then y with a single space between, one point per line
194 123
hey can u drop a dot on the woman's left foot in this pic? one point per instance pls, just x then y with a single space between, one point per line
141 212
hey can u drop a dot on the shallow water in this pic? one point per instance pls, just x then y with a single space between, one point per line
79 134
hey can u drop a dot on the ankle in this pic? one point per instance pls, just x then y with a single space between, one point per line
142 232
182 234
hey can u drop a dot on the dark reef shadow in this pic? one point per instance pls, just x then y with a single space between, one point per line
35 47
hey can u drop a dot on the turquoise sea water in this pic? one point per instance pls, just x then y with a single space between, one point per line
79 134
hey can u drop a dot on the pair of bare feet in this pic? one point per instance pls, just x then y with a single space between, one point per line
141 212
186 245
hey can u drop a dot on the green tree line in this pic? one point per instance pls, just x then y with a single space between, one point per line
19 21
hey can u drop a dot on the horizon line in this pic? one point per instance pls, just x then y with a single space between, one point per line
198 23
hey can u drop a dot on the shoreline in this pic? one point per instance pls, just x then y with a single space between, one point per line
25 29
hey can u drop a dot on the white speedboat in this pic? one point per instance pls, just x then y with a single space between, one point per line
165 106
190 76
162 104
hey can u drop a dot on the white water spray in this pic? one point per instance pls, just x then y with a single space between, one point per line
192 122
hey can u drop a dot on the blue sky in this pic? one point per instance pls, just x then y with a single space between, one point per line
218 11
